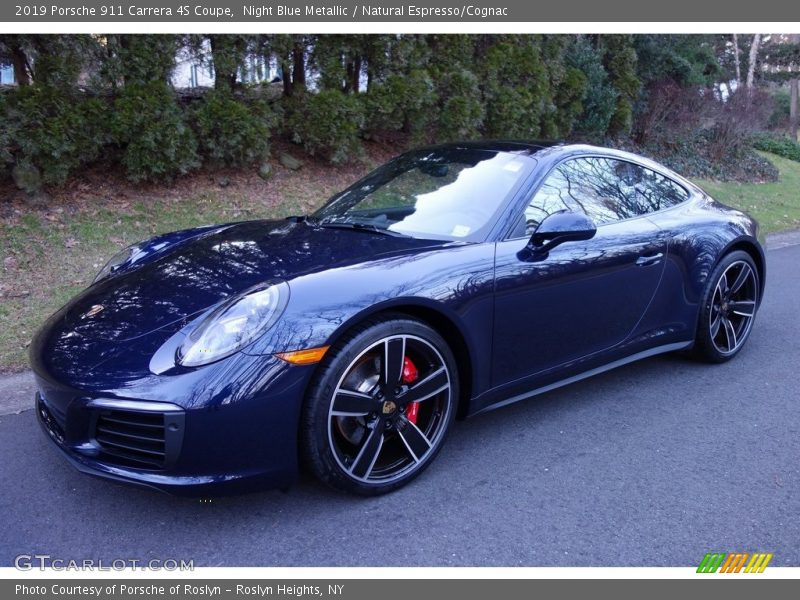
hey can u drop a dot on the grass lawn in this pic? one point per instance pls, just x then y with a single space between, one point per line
48 255
775 205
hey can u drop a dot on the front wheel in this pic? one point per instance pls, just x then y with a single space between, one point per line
729 308
380 407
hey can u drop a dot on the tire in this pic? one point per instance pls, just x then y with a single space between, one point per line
728 310
360 433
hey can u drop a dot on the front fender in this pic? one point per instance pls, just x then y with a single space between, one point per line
455 283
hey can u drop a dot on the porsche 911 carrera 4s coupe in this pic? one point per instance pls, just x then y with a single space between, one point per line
452 280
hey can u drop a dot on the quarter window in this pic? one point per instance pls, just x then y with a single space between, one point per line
654 192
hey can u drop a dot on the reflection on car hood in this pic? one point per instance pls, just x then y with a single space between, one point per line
211 268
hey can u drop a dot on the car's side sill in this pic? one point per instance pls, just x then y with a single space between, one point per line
596 371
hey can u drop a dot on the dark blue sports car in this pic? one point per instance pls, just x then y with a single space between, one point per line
450 281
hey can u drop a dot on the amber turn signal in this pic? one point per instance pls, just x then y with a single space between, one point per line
304 357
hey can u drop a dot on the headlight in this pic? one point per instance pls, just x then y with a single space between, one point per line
234 324
129 254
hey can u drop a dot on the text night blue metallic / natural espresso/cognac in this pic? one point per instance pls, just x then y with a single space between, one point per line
452 280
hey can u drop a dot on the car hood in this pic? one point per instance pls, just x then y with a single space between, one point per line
210 268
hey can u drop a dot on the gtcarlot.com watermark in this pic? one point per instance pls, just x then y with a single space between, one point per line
30 562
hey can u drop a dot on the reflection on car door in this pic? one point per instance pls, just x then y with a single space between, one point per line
582 297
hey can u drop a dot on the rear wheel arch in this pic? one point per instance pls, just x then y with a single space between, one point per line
747 245
731 304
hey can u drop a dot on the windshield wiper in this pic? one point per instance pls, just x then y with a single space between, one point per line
361 227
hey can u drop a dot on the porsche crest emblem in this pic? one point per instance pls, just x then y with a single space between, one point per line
389 407
94 310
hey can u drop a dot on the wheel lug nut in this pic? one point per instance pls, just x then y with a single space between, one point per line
397 390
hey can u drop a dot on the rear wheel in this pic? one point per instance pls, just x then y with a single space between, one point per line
728 309
380 407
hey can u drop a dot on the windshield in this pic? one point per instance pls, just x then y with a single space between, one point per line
450 194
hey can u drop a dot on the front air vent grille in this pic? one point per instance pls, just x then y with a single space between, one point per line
142 440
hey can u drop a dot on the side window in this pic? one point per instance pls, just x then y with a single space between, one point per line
602 188
605 189
551 197
655 192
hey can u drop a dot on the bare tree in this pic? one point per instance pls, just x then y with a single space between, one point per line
793 116
751 66
794 92
736 60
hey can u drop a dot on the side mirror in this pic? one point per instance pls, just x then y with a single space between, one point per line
561 227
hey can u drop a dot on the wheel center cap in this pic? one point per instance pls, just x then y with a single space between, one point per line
389 407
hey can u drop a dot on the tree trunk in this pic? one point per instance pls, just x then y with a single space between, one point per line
348 75
20 62
124 43
736 60
286 79
793 108
224 66
751 66
299 65
356 81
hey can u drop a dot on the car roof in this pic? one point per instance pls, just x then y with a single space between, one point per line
547 147
553 150
510 146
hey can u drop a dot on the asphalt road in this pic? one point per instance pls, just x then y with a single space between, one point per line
653 464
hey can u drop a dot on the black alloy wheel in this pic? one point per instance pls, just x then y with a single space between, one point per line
381 406
729 309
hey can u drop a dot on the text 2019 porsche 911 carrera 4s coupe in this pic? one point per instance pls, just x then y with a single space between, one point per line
452 280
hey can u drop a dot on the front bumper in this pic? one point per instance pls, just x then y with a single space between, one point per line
241 437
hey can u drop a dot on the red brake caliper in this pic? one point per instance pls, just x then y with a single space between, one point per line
410 375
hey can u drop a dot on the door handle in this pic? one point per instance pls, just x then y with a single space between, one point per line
653 259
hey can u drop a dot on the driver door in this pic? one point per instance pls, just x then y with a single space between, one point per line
583 297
